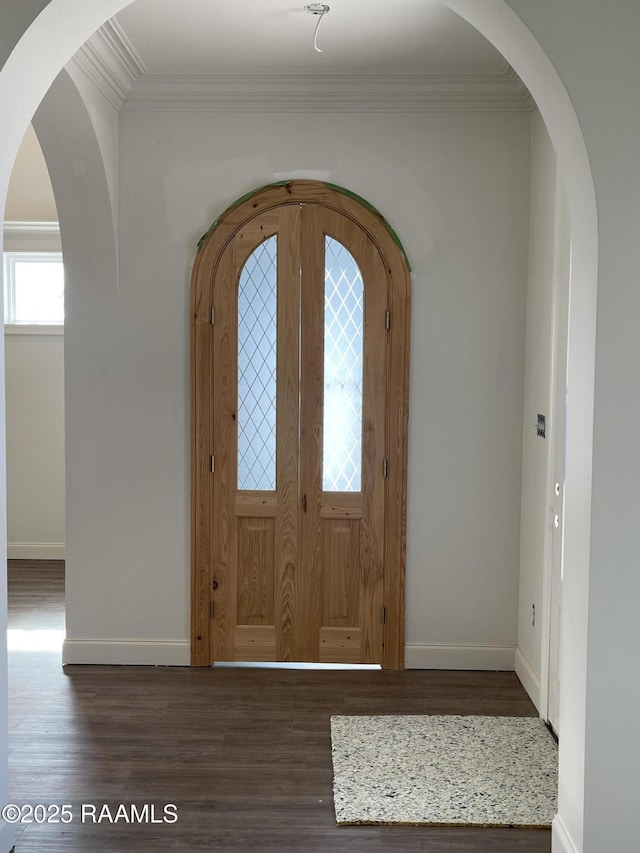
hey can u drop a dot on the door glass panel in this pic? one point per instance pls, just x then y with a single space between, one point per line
257 327
343 344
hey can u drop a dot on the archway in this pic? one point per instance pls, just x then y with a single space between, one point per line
66 132
35 61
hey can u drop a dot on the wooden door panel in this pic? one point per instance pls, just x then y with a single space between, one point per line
256 505
347 560
296 569
341 570
254 642
341 505
287 430
256 570
202 484
253 530
311 395
224 363
298 559
374 456
340 645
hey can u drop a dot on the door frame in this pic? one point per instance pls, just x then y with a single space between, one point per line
554 537
210 250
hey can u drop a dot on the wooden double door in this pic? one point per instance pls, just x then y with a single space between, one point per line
293 538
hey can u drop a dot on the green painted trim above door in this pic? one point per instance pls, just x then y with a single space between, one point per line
334 187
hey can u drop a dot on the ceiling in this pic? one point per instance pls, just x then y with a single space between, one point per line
358 37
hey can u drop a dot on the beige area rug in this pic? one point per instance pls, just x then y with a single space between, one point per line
444 770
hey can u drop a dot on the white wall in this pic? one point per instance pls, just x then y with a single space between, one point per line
537 400
455 187
104 120
30 196
34 364
542 458
593 45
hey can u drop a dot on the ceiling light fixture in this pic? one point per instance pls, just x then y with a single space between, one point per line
319 9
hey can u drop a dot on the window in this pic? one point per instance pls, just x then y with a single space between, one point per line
34 288
343 357
257 332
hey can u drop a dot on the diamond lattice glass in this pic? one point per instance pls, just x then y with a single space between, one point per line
257 324
343 346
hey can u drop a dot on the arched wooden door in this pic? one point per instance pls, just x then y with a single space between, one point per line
299 401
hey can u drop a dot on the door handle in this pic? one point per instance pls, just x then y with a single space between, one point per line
304 503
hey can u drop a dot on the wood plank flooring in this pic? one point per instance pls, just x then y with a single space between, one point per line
244 754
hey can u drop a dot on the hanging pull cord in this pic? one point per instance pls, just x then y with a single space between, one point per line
321 10
315 35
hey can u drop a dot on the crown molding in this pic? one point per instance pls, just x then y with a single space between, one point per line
31 237
501 91
111 62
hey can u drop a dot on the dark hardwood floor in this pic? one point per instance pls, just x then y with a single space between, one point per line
245 755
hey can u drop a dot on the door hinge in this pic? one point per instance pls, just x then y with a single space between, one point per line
212 610
383 614
213 464
385 467
387 320
213 316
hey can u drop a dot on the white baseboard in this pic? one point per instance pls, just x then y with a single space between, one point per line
35 551
530 681
8 836
126 652
560 839
437 656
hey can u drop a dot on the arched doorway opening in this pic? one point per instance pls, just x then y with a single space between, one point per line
36 60
299 487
